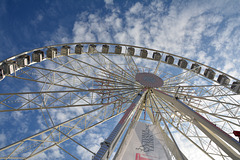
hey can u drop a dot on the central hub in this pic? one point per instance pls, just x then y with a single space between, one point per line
149 80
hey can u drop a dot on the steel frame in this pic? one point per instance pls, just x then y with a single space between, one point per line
202 113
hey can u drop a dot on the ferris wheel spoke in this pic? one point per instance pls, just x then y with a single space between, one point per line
83 70
104 70
74 127
217 107
201 98
222 117
176 122
119 68
69 68
98 59
220 143
52 78
115 80
60 133
190 132
169 143
157 67
186 132
132 62
180 78
57 99
195 91
43 82
106 79
206 124
206 98
129 66
132 67
167 130
77 75
50 71
27 72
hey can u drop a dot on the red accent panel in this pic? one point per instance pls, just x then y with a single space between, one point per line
127 113
198 114
236 133
138 157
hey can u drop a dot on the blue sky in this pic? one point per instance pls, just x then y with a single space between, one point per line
205 31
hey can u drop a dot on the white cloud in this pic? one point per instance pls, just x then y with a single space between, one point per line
54 153
59 36
37 19
188 29
136 8
92 140
17 115
3 139
108 2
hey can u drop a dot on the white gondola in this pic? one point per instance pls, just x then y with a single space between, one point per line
23 60
37 56
79 49
196 68
223 80
2 76
9 67
143 53
131 51
169 59
51 52
156 56
65 50
91 48
209 73
118 49
182 63
105 48
236 87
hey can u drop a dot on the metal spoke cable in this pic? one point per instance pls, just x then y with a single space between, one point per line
154 103
118 66
20 142
102 69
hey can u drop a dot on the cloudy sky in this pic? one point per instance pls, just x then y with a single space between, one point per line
207 31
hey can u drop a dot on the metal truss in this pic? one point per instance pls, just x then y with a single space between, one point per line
60 133
194 127
101 84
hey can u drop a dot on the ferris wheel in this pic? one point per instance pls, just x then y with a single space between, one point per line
84 100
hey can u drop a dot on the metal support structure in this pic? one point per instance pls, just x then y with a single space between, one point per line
215 133
130 128
109 144
104 84
169 143
71 126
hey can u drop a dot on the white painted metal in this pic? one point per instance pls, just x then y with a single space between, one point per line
211 130
104 79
